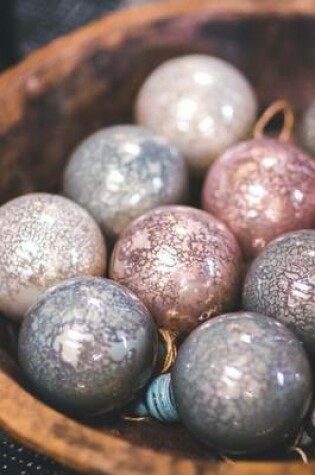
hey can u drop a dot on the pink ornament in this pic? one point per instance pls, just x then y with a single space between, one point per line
261 189
183 264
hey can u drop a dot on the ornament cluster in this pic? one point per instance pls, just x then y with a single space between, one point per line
130 298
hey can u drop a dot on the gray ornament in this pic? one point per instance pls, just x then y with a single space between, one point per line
242 383
88 345
120 172
281 284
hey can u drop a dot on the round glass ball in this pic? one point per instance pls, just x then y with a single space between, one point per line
307 132
184 264
200 103
281 283
44 239
120 172
242 383
88 345
261 189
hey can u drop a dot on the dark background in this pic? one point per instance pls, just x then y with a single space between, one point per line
7 49
28 24
24 26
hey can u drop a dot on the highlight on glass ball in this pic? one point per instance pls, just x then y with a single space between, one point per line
206 317
184 264
120 172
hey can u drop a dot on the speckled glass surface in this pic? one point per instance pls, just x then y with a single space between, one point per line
281 283
200 103
88 345
308 129
44 239
120 172
242 383
182 263
261 189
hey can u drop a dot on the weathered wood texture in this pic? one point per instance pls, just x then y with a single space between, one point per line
89 79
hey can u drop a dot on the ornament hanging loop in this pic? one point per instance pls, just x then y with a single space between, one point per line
278 107
169 340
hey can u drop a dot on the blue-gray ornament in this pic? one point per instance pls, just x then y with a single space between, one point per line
89 345
242 383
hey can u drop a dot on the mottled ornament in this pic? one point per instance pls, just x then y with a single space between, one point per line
242 383
44 239
184 264
200 103
308 129
120 172
261 189
281 283
88 345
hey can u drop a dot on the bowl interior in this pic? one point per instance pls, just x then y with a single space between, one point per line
89 80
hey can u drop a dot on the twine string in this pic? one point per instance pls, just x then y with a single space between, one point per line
169 340
278 107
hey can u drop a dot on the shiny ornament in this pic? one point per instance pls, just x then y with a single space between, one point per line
88 345
44 239
200 103
308 129
182 263
281 283
120 172
242 383
261 189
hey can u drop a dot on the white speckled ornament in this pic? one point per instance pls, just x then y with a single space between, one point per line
44 239
200 103
308 129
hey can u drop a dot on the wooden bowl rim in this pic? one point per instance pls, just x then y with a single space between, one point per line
22 415
26 76
31 422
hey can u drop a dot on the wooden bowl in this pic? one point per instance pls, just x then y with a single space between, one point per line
89 79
